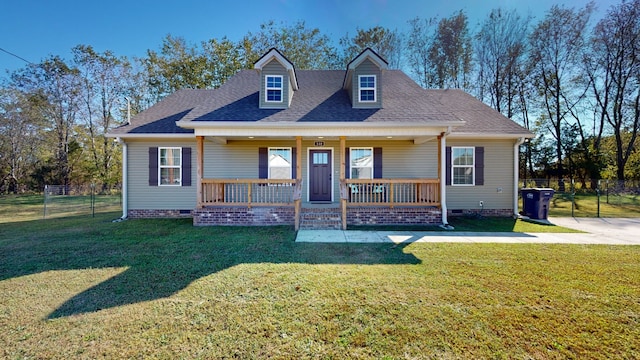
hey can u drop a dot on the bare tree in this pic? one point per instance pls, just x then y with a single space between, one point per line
20 139
556 45
500 49
54 88
419 41
104 85
613 67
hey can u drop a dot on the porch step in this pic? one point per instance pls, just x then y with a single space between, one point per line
320 219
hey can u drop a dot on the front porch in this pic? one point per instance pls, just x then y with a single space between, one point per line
298 202
362 202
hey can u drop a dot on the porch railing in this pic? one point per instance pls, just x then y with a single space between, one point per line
250 192
391 192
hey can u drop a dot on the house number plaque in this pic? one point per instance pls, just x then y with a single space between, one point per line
319 143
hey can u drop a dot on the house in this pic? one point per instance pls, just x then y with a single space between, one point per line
320 148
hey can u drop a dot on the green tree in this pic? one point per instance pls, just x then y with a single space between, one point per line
387 43
178 65
306 48
451 53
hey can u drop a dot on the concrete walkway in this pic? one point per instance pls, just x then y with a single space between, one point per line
597 231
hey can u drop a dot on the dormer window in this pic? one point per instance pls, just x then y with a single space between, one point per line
273 89
367 88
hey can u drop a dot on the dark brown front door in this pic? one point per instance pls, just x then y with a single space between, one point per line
320 175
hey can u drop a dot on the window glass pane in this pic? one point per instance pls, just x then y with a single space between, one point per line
367 95
367 81
320 158
361 173
170 176
361 163
170 166
273 81
170 157
463 156
279 163
463 176
274 95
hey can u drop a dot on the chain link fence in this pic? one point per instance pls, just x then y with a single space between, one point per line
590 197
66 200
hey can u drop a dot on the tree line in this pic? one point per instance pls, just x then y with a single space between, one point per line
570 78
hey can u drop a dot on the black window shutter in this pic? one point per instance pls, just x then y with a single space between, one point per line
186 166
347 163
153 166
479 165
377 163
294 163
447 173
263 163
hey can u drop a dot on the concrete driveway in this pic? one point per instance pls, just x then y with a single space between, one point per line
625 230
597 231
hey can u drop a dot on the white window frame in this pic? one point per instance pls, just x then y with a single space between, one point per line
472 166
351 157
276 148
267 88
169 166
361 88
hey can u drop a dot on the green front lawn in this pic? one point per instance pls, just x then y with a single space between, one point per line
82 287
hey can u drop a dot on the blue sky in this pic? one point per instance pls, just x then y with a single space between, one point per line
35 29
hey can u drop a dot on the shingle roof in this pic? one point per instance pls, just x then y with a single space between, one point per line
321 99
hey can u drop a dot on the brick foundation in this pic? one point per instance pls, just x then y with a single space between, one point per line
265 216
393 216
244 216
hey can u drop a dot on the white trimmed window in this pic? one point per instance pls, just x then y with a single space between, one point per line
273 87
462 165
170 165
367 88
361 163
280 163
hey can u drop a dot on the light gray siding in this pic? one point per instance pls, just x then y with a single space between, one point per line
401 159
238 159
275 68
366 68
498 174
143 196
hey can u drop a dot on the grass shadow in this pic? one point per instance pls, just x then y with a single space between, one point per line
162 257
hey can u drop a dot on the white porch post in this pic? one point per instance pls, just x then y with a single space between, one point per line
125 187
297 202
199 170
516 167
443 176
343 202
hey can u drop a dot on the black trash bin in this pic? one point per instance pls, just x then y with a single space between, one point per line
535 202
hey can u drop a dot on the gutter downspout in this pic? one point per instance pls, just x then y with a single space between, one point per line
516 168
443 183
125 204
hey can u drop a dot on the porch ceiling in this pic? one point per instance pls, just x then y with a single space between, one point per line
417 134
226 139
